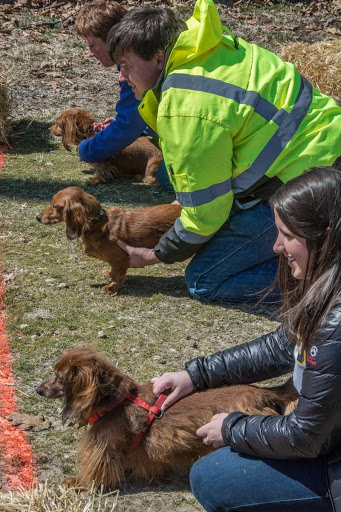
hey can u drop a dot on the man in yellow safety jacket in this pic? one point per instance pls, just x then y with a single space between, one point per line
235 122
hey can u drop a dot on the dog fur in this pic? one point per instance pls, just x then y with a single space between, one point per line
140 228
87 382
141 158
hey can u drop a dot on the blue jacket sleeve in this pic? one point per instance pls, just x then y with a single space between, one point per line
127 126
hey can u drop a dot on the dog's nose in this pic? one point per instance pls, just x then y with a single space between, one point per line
39 390
38 218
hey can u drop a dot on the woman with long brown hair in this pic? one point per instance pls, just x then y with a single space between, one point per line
292 462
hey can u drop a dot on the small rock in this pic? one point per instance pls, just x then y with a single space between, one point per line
159 359
101 334
23 326
62 285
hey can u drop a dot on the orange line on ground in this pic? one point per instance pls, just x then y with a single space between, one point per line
17 458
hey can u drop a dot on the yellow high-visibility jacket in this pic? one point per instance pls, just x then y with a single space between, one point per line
234 122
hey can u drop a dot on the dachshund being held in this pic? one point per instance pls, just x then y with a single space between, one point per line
141 158
123 435
98 230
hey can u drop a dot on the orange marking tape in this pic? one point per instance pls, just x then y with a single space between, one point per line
17 459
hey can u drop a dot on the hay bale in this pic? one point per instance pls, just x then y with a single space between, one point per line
320 63
52 498
5 107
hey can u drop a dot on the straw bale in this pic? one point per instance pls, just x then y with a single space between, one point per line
320 63
53 498
5 105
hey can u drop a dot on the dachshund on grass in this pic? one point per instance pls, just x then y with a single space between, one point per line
98 230
124 436
141 158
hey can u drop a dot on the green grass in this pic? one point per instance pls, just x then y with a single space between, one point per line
151 327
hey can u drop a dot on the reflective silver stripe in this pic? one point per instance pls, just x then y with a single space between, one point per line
204 195
288 123
278 141
188 236
260 105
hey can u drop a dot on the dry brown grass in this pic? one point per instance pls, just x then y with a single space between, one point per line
320 63
47 498
5 105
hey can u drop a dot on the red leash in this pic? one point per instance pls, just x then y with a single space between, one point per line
154 412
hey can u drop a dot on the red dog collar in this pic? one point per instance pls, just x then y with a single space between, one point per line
154 412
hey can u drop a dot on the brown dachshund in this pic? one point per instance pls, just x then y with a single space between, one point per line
141 158
96 392
98 230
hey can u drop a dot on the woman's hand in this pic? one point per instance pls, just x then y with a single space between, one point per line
179 382
211 432
139 257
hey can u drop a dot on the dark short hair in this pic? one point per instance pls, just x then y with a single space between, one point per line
145 31
98 17
310 207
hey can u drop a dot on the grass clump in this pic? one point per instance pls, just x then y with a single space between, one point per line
45 498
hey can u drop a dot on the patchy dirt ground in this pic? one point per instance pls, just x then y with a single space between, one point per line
49 72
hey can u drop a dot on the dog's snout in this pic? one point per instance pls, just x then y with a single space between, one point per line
38 217
40 391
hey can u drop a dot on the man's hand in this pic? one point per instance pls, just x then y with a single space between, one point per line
139 257
211 432
179 382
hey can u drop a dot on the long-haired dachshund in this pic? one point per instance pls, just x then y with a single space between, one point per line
141 158
98 230
123 435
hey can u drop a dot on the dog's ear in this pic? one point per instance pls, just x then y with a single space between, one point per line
68 129
80 388
75 219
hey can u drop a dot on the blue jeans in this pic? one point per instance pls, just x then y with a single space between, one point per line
238 263
163 178
226 481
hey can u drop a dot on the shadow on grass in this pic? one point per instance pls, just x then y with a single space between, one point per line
147 286
116 194
178 480
175 286
31 136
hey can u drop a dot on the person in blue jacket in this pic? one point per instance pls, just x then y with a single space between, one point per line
93 24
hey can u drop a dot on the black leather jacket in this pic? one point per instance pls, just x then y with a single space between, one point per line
313 429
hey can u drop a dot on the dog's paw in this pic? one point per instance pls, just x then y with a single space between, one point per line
111 289
149 180
93 181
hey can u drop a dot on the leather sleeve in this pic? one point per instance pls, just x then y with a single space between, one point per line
171 248
269 356
313 427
